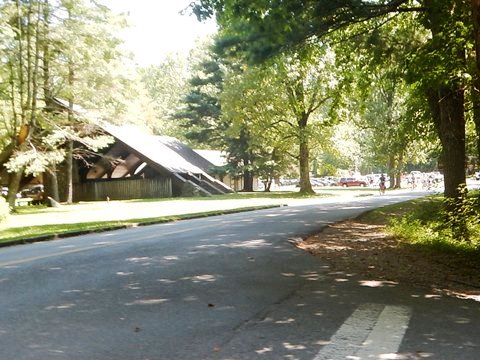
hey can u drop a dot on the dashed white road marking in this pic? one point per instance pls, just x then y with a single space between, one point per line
373 331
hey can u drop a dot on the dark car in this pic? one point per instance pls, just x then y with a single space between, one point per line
36 193
350 181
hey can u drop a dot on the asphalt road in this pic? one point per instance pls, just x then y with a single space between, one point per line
227 287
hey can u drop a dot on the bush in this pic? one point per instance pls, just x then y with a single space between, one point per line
4 210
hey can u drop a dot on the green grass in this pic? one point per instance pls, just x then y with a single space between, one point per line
243 195
427 209
30 209
16 233
420 223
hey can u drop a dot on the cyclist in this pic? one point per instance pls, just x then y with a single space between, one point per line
382 184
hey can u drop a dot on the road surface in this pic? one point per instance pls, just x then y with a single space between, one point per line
226 287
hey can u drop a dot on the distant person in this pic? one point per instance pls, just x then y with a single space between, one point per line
382 184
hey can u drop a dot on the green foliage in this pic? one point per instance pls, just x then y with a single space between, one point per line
159 96
200 115
429 56
261 29
462 216
430 225
55 51
4 210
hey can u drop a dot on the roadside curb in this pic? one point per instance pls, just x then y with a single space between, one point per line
163 220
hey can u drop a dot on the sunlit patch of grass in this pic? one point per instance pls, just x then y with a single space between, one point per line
420 223
422 208
244 195
30 209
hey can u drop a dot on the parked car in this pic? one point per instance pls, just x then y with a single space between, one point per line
316 182
35 192
329 181
350 181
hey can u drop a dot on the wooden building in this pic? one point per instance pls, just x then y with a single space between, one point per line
141 165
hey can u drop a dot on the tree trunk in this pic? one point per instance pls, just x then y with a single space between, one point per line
69 165
267 185
391 170
51 183
398 173
476 82
476 112
247 181
304 157
13 186
447 105
452 137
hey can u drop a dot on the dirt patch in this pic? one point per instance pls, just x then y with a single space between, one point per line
366 250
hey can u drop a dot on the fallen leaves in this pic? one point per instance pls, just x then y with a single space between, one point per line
366 250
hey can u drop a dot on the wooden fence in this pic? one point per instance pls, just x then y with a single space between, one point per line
123 189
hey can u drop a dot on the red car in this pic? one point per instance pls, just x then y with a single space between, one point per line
350 181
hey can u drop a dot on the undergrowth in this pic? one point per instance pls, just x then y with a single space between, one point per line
429 224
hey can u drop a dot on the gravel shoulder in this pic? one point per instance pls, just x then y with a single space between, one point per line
360 248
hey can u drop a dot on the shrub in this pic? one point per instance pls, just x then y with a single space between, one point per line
4 210
435 225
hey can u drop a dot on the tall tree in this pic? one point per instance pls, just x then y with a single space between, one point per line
252 103
165 85
310 86
21 67
52 49
202 116
264 28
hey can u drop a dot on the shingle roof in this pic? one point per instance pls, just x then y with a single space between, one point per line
165 151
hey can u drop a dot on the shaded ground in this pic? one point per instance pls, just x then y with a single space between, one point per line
364 249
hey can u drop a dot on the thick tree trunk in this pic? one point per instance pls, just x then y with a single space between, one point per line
452 136
304 158
247 181
13 187
476 81
447 105
476 112
50 181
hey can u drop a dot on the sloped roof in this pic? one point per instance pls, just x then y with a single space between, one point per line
186 152
164 151
216 157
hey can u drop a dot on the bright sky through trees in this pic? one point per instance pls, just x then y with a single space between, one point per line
157 28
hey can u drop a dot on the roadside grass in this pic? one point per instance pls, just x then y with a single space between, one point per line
16 234
420 223
244 195
32 209
46 232
28 233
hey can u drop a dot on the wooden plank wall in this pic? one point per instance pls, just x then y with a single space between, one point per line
123 189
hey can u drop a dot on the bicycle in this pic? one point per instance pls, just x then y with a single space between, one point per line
382 188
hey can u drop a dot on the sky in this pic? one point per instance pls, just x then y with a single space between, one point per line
157 28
